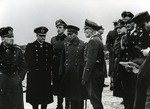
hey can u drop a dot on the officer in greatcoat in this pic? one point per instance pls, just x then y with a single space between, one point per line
142 98
93 74
110 39
58 45
12 71
38 55
72 64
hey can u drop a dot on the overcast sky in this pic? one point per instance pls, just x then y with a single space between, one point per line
25 15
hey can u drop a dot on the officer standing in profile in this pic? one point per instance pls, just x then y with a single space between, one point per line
58 46
38 55
93 75
110 39
12 71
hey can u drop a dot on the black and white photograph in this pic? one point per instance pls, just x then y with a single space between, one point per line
74 54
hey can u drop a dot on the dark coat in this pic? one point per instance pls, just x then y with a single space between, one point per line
111 36
94 58
58 46
12 72
73 61
39 61
94 70
142 84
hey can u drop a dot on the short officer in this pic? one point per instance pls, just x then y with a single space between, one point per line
72 64
12 71
93 74
38 55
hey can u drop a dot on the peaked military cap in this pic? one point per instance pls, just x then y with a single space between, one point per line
72 28
60 22
115 23
90 25
141 17
41 30
100 27
6 32
120 23
127 14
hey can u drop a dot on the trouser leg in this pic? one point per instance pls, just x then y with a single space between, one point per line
43 106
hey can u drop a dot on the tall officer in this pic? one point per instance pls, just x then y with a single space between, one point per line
93 74
73 63
38 55
12 71
58 45
142 98
111 36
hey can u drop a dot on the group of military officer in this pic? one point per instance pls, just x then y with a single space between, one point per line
68 68
74 70
130 42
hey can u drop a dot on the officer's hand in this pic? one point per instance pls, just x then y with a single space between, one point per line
83 82
145 51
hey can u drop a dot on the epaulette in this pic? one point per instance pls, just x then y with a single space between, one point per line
17 46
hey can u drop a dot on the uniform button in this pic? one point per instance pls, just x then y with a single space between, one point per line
75 63
77 51
66 51
36 50
46 54
126 58
1 64
36 59
133 42
126 53
14 55
139 43
36 54
37 69
66 64
46 59
46 49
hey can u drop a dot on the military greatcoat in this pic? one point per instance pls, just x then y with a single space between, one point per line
94 73
71 67
12 72
58 46
39 60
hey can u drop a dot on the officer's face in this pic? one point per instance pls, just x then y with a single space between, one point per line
88 33
71 36
101 31
130 26
121 30
147 25
8 40
60 29
40 38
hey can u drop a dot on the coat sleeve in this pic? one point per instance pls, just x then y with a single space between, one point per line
109 42
92 52
22 65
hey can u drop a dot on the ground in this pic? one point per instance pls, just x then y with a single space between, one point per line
109 101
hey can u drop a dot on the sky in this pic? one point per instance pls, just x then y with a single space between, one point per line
25 15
